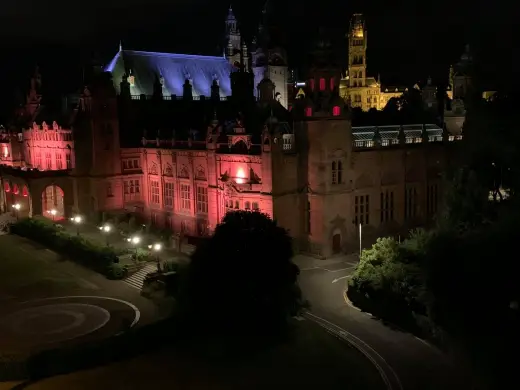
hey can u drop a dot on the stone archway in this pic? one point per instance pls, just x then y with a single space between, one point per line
53 205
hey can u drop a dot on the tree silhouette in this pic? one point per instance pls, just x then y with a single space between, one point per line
242 278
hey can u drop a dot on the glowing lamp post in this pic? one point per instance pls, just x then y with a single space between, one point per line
16 207
77 220
135 240
53 212
156 249
106 229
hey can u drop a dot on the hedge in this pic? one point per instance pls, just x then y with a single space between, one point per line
103 260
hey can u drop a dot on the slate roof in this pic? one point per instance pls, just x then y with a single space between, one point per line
174 68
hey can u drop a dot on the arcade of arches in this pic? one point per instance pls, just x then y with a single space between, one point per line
53 205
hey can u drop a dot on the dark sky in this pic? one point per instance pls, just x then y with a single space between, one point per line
408 39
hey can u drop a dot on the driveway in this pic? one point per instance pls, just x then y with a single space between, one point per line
406 361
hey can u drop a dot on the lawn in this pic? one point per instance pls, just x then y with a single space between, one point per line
27 271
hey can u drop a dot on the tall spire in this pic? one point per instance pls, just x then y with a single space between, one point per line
120 45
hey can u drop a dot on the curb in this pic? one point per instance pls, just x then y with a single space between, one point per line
349 303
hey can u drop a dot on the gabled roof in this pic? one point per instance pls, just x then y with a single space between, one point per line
174 68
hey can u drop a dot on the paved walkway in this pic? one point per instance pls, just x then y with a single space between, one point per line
309 262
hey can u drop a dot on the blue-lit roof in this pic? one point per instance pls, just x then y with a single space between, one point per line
174 68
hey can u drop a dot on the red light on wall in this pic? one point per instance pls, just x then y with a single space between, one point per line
7 188
332 84
308 111
15 189
322 84
311 83
24 191
336 111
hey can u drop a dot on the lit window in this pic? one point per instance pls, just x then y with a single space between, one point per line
308 111
322 84
168 194
15 189
24 191
202 200
154 192
185 191
335 111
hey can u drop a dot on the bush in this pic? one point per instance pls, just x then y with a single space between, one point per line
116 271
388 283
76 248
142 255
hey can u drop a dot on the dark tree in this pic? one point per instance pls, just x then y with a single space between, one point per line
242 280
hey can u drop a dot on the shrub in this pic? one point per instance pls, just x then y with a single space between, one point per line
116 271
76 248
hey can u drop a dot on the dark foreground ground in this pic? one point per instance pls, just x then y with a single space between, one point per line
314 359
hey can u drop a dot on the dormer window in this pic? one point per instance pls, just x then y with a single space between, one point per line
308 111
322 84
336 111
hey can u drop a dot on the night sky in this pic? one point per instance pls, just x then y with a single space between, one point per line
408 40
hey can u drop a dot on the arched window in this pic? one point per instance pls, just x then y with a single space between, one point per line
25 192
336 111
308 111
322 84
15 189
248 206
7 187
255 206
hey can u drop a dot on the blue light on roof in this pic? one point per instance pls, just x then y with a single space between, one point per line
175 69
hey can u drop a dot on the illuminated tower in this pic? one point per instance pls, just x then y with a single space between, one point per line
357 52
233 39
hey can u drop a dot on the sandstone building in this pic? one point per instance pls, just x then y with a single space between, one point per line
180 150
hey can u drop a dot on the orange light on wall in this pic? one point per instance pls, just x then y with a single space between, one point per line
241 176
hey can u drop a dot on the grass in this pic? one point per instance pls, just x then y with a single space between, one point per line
26 270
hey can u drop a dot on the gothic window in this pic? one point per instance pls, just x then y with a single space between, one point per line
7 188
237 205
410 203
48 161
185 192
68 162
431 199
308 111
247 206
362 210
336 111
322 84
255 206
25 192
38 160
168 194
202 200
110 193
154 192
360 74
15 189
59 162
387 206
337 172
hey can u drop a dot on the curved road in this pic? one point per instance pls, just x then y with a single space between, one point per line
404 361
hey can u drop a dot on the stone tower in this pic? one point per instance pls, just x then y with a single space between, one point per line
357 49
323 136
269 59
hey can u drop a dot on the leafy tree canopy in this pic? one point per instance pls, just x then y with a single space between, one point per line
242 278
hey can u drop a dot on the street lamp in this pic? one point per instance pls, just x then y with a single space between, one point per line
106 229
16 207
53 213
156 248
135 240
77 220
